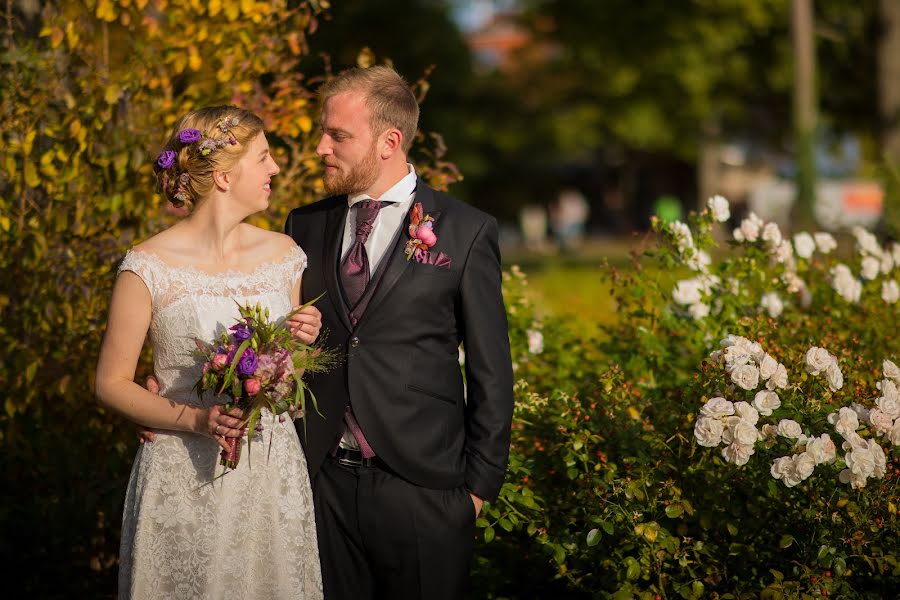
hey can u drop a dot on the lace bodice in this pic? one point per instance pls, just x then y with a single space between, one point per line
188 302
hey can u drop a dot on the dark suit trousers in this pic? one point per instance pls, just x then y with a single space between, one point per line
381 537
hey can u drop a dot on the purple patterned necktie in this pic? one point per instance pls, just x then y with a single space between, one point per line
355 268
356 430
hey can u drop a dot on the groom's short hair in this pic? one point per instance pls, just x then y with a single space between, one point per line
388 96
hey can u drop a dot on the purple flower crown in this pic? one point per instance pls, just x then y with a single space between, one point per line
177 185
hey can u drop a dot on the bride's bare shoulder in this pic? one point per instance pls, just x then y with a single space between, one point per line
271 244
167 243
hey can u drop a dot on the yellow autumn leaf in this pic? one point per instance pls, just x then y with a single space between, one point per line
194 60
247 6
842 502
29 142
232 9
31 175
4 223
72 35
892 508
305 123
245 87
214 7
633 413
106 10
112 93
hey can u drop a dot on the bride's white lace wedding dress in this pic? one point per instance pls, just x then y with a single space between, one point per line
185 533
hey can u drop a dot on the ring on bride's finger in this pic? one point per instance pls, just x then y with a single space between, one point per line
217 428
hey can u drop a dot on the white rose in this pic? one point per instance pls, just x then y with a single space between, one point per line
825 242
879 459
881 422
888 389
779 379
845 421
718 208
749 230
866 242
887 263
771 234
891 370
789 428
687 292
746 376
804 244
889 405
746 412
717 408
699 261
870 267
744 433
845 284
860 461
895 253
783 468
767 366
535 341
862 413
738 454
856 482
772 304
805 464
895 433
821 449
890 292
766 401
834 377
708 431
817 360
698 311
682 235
738 235
852 440
784 253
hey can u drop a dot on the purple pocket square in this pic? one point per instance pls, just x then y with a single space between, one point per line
428 258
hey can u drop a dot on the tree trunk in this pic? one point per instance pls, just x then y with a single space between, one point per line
804 110
889 107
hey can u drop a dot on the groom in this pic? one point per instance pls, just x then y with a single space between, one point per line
406 453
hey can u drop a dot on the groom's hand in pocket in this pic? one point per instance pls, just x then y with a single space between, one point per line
144 434
478 502
306 324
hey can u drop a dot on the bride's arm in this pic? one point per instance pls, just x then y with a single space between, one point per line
129 320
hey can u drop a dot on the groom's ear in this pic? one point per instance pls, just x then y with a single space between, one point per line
392 142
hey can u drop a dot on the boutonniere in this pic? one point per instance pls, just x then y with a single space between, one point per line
422 238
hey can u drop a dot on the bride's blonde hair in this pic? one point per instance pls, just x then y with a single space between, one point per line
209 139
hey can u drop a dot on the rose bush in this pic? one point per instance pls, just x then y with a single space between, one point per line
708 445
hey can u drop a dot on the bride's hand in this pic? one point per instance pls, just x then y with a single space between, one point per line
220 425
306 324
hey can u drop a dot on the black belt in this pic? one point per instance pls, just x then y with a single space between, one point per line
354 458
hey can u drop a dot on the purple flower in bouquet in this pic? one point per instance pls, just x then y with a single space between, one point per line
248 363
241 331
189 136
166 159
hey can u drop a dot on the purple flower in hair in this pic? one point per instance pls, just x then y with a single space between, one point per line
189 136
166 159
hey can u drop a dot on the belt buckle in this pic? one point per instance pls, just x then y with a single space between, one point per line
343 458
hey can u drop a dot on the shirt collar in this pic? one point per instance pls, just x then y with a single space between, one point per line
398 193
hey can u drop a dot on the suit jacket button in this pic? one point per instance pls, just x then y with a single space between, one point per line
354 342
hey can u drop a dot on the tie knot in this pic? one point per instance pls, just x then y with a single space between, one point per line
366 211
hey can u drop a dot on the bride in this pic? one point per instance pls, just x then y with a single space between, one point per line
186 532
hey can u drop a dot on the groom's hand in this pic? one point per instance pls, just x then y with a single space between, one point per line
478 502
305 325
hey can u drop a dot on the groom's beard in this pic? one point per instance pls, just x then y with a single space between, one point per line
357 179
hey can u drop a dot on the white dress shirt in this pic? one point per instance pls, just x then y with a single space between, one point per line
395 205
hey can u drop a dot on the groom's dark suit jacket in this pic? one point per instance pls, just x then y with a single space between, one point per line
401 372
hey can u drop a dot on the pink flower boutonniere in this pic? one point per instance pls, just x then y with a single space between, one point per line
422 238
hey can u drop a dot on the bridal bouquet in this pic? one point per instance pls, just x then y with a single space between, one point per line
258 364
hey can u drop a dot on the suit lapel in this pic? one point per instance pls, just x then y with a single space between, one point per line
334 237
398 263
